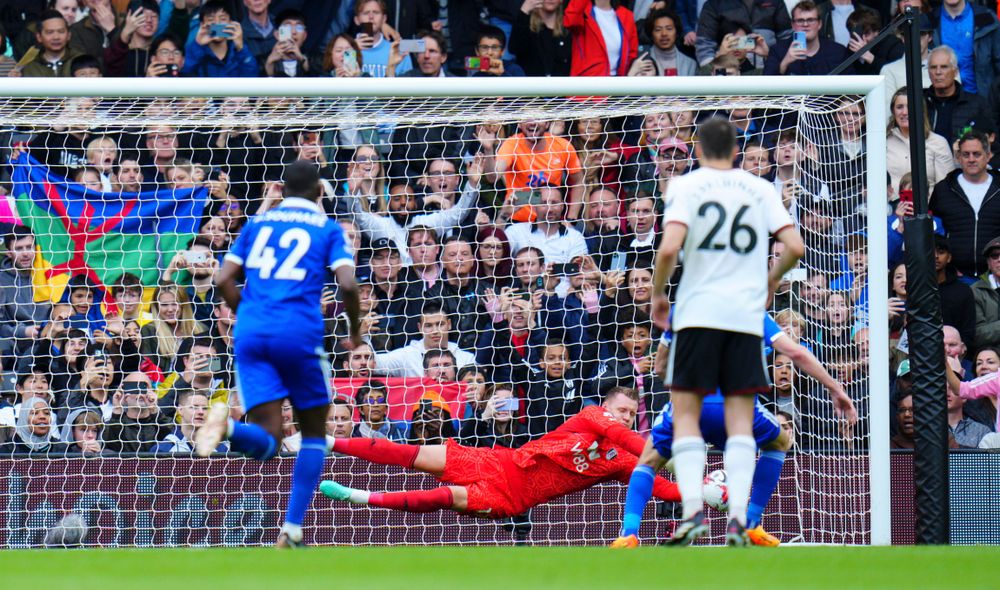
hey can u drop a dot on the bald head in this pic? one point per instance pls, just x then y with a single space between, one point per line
953 345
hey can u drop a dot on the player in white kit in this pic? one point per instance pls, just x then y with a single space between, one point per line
721 217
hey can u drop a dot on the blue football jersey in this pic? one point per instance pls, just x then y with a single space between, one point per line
285 254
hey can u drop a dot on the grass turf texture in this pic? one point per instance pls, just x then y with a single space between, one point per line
483 568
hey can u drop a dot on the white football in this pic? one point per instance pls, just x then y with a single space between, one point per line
716 491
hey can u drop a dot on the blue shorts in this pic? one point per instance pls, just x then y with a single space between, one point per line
270 369
766 428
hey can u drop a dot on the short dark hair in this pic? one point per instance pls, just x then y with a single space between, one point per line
538 252
165 37
432 306
804 6
188 344
632 318
729 26
213 7
717 137
975 135
491 32
126 281
301 180
433 354
16 233
49 15
438 37
467 369
289 14
424 229
83 62
663 13
866 18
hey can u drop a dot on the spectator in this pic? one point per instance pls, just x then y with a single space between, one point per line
54 56
938 153
201 264
732 56
493 260
136 423
91 34
631 366
510 345
439 365
756 159
407 361
662 57
86 66
817 57
957 303
334 63
94 391
430 421
365 186
431 61
641 220
495 425
966 432
864 25
973 32
81 434
895 72
672 159
198 369
258 29
475 389
963 201
340 420
987 298
605 39
854 277
952 109
559 243
128 54
35 434
555 392
540 40
370 16
29 381
602 227
833 20
767 19
373 407
597 150
191 409
490 43
291 438
459 292
21 318
286 59
360 362
173 320
218 54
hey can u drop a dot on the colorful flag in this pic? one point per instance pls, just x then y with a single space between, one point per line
103 234
405 392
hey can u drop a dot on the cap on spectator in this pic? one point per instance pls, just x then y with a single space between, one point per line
942 243
993 245
672 143
903 368
381 244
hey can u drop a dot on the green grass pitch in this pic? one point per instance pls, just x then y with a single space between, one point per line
522 568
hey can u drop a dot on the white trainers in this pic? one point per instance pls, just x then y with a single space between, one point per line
213 430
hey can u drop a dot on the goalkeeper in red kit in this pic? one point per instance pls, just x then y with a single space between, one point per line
594 446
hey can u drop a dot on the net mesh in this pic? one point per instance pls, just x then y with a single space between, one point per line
132 204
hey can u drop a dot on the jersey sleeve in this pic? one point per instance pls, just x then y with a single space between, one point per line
985 386
340 252
777 216
678 210
666 490
238 251
772 331
602 424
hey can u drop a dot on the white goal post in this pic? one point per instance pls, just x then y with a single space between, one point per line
404 101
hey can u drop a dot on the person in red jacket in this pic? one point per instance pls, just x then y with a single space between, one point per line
594 446
605 40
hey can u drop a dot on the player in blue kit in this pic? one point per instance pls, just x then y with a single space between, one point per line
770 438
282 257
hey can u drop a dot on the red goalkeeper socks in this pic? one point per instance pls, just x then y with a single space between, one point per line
377 450
415 500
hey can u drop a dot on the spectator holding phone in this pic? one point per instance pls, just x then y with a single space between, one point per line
940 160
430 61
286 59
343 57
512 342
864 24
605 40
540 40
490 43
136 423
662 57
769 20
218 50
738 43
81 433
94 390
128 54
495 425
370 18
198 369
806 53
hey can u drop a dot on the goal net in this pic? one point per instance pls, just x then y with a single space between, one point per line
504 246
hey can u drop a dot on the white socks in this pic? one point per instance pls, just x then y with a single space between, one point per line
689 467
294 531
739 461
359 497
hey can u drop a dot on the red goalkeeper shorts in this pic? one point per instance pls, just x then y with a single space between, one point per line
492 479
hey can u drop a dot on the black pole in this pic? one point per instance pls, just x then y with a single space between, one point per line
924 324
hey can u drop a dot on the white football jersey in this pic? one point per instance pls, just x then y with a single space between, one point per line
730 215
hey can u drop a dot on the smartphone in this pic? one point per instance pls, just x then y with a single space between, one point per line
540 283
195 257
511 404
859 31
284 33
351 60
565 270
368 29
219 31
412 46
526 295
477 64
216 364
669 71
619 261
906 195
799 37
171 71
744 43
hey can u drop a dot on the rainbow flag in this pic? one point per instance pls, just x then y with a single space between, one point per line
102 235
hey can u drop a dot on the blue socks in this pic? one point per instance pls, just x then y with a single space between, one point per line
252 441
305 478
765 480
640 488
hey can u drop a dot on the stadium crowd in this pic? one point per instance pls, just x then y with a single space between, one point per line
515 258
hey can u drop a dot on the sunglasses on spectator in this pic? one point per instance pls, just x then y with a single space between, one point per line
994 254
375 400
